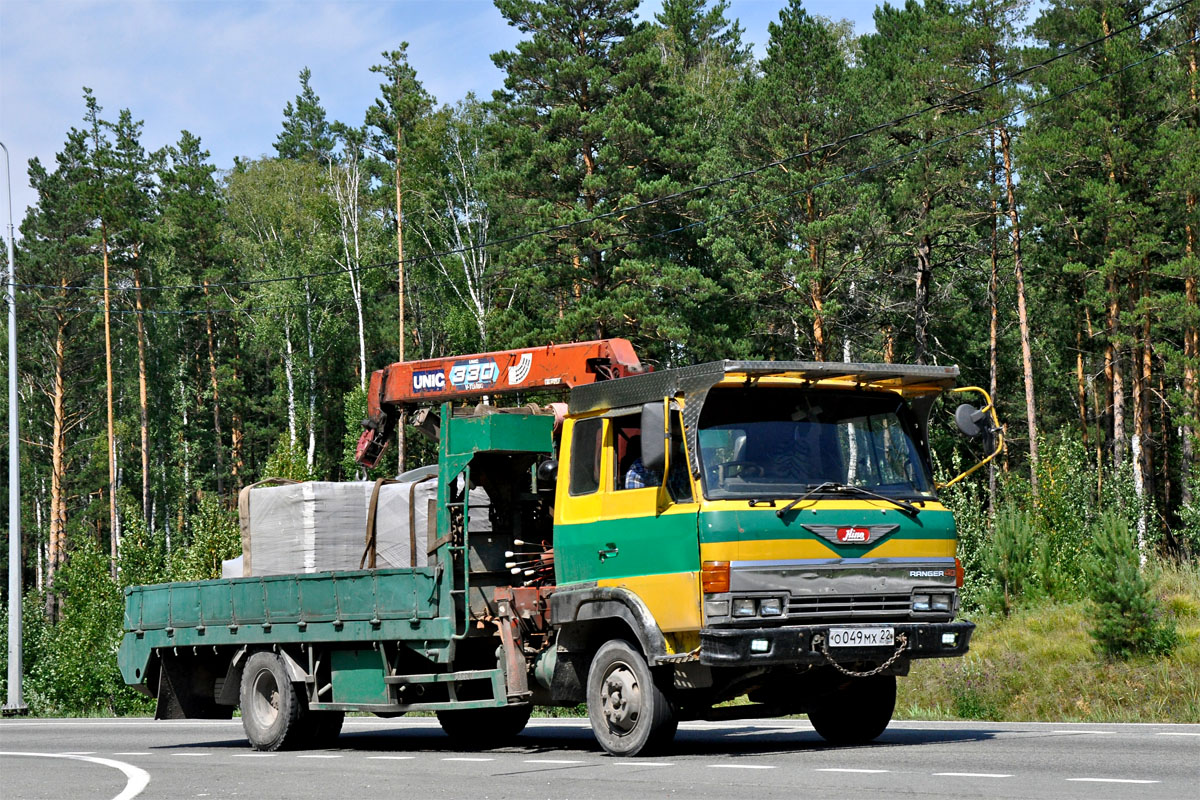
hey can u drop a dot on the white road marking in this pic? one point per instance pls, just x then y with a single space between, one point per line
320 755
840 769
551 761
254 755
131 754
1108 780
971 775
464 758
391 758
138 778
768 732
79 753
1175 733
740 766
192 755
1091 733
651 764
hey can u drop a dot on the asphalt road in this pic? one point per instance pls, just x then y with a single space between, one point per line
99 759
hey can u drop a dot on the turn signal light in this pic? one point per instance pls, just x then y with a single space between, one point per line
714 576
958 573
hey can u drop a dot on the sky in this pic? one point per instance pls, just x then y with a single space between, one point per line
224 69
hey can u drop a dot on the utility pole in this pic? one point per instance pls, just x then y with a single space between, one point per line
16 700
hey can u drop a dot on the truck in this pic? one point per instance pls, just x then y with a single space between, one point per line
660 545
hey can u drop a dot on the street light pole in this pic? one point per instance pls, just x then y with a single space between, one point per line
16 700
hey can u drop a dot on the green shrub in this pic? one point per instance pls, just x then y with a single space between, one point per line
1127 622
1008 561
215 537
288 460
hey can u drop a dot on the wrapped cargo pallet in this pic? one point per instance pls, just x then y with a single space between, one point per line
318 526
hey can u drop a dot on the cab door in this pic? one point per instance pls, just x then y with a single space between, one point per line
642 538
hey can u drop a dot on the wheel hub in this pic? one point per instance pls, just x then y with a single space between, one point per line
621 697
266 697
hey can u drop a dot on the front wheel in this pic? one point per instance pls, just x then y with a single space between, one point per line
629 712
272 712
857 711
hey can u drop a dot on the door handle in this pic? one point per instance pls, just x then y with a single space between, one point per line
610 551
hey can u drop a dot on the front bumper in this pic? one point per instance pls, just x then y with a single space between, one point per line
797 645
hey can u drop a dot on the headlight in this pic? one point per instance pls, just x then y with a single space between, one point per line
920 602
716 608
743 607
941 602
770 607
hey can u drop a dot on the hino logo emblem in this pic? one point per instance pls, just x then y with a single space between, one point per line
851 534
856 535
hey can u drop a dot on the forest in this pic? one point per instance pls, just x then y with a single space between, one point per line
1005 186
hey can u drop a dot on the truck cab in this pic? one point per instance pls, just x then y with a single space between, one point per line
789 543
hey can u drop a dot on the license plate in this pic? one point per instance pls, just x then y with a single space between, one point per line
862 637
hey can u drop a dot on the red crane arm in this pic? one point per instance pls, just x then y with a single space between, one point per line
556 366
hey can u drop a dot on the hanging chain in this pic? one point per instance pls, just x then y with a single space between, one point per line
901 643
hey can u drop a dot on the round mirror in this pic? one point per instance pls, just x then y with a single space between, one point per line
970 420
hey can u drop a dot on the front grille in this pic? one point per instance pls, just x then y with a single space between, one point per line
878 606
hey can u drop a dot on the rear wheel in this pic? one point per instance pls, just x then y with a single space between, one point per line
322 728
272 713
629 712
857 711
476 728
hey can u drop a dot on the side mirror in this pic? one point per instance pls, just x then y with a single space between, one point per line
971 420
977 422
654 436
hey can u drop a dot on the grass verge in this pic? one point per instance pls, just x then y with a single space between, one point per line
1040 664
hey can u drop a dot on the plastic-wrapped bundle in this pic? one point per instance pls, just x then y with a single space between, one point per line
306 527
320 526
406 518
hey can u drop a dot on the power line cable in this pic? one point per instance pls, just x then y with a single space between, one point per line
663 198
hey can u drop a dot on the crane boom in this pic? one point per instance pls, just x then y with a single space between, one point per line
553 367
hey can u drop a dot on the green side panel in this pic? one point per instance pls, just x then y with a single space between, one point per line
184 606
758 524
247 595
318 597
358 677
216 603
356 599
502 432
281 596
645 546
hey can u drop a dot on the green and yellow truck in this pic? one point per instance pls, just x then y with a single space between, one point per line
663 543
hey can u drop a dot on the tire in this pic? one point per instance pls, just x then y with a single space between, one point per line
629 712
481 728
272 713
322 728
857 711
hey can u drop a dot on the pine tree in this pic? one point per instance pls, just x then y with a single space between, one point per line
585 131
306 134
912 60
801 239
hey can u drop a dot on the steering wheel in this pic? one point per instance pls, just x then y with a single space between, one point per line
744 469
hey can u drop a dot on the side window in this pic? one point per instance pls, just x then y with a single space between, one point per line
585 456
678 483
627 452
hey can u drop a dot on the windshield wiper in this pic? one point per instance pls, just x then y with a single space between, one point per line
820 487
758 501
834 487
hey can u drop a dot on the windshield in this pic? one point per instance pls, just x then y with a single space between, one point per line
771 443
